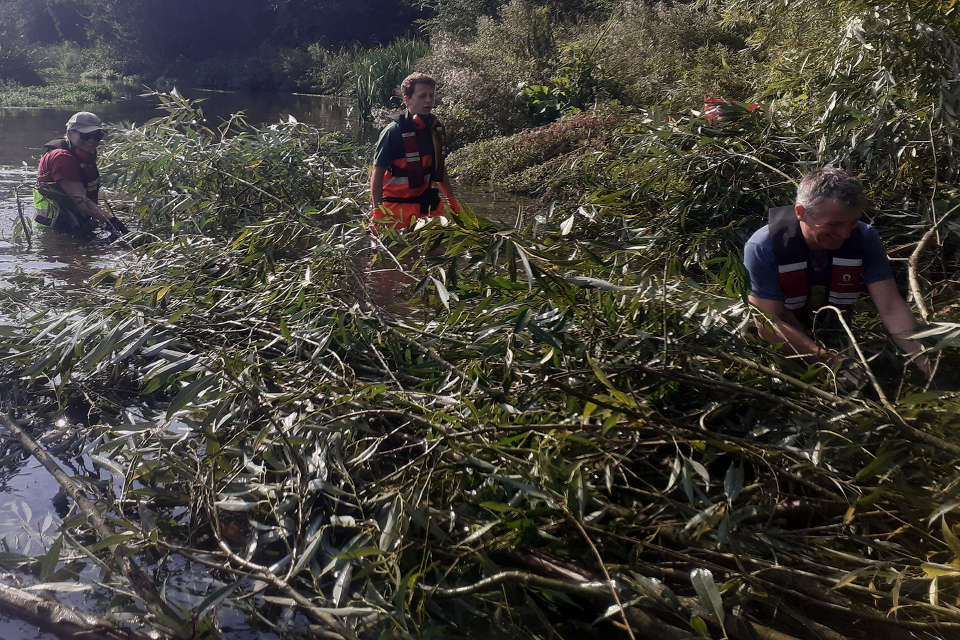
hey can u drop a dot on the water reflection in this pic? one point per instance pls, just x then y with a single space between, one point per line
383 278
23 131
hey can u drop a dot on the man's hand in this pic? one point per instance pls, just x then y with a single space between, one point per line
783 327
898 319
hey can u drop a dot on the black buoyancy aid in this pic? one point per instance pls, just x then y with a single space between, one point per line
93 190
793 259
413 129
53 207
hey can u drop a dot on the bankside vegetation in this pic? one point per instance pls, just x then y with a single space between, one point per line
14 95
570 428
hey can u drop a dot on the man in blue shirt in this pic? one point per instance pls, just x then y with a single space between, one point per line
816 253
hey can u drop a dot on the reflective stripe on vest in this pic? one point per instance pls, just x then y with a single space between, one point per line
392 180
417 131
45 210
793 258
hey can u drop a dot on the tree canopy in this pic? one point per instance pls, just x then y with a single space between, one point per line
196 29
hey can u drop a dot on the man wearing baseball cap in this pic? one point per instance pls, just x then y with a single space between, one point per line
68 182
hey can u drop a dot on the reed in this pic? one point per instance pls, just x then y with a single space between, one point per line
378 74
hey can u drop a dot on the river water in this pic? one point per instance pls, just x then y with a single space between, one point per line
28 515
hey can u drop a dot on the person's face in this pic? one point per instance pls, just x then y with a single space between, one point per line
830 226
90 144
422 100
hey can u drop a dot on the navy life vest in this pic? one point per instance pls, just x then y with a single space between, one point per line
793 260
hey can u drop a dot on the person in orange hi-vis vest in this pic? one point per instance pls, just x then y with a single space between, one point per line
409 160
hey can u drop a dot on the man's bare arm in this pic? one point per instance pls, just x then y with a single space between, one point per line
447 190
782 326
76 191
898 319
376 185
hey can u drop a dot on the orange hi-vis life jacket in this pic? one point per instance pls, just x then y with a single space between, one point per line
793 257
408 190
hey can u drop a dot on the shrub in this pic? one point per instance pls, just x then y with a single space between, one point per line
14 95
676 54
100 61
330 71
271 69
541 161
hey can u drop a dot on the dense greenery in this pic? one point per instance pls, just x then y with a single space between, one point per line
249 44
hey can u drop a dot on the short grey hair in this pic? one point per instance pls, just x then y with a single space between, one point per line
831 183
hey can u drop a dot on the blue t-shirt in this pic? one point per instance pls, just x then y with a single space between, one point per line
389 146
761 264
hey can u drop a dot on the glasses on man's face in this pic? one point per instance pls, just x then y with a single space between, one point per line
93 135
837 225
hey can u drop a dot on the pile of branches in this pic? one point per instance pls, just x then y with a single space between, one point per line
561 438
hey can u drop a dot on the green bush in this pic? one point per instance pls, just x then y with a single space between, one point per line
539 161
100 61
14 95
482 79
675 55
330 71
271 69
377 75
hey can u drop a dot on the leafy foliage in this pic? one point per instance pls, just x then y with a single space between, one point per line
16 63
65 94
188 176
565 391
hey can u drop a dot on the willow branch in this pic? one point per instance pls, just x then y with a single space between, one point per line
436 357
138 580
523 578
750 364
914 259
266 575
62 621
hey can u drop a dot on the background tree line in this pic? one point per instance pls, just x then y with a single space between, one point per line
149 39
258 44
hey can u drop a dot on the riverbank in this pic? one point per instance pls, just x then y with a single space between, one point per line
567 426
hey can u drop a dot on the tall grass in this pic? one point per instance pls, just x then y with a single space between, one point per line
378 74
